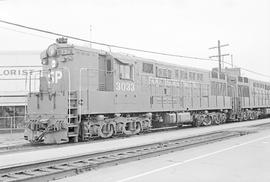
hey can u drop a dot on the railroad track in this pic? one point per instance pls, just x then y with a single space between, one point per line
28 147
63 167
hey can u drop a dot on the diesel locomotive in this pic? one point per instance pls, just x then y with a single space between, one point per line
83 93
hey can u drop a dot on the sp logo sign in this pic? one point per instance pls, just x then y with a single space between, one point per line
55 76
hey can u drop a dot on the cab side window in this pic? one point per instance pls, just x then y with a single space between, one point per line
148 68
126 71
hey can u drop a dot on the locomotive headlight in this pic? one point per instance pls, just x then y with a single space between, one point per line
54 63
51 51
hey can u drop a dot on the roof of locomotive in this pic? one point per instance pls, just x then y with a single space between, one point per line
129 58
132 58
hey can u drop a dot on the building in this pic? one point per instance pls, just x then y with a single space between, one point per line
16 67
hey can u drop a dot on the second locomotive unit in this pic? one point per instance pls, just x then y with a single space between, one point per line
85 93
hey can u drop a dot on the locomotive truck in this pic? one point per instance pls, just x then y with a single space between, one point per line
85 93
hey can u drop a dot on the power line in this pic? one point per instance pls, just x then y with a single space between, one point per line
35 35
248 70
126 48
103 44
219 54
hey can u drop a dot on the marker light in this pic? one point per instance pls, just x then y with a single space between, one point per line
54 63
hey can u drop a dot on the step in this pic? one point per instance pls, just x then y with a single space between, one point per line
72 116
73 125
71 99
73 107
73 93
72 134
74 122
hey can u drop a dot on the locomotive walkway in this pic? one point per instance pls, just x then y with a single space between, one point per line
9 161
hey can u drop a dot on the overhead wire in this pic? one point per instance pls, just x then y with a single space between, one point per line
104 44
248 70
27 33
122 47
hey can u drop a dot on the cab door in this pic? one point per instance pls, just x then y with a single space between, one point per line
102 73
105 73
109 76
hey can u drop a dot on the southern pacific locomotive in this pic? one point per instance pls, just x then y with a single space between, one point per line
86 93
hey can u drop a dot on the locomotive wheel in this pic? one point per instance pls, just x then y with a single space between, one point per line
223 118
132 128
216 120
256 115
202 120
138 128
240 117
127 128
207 121
245 117
106 130
252 115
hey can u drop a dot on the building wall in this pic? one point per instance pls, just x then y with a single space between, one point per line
15 67
12 116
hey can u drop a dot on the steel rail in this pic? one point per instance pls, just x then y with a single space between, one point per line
72 165
29 147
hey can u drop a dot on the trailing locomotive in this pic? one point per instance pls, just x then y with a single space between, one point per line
86 93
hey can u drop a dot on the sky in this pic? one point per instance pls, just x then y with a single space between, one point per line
184 27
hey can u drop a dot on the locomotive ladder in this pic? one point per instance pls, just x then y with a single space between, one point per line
73 126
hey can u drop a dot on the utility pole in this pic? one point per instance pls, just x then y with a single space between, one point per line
219 54
90 36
